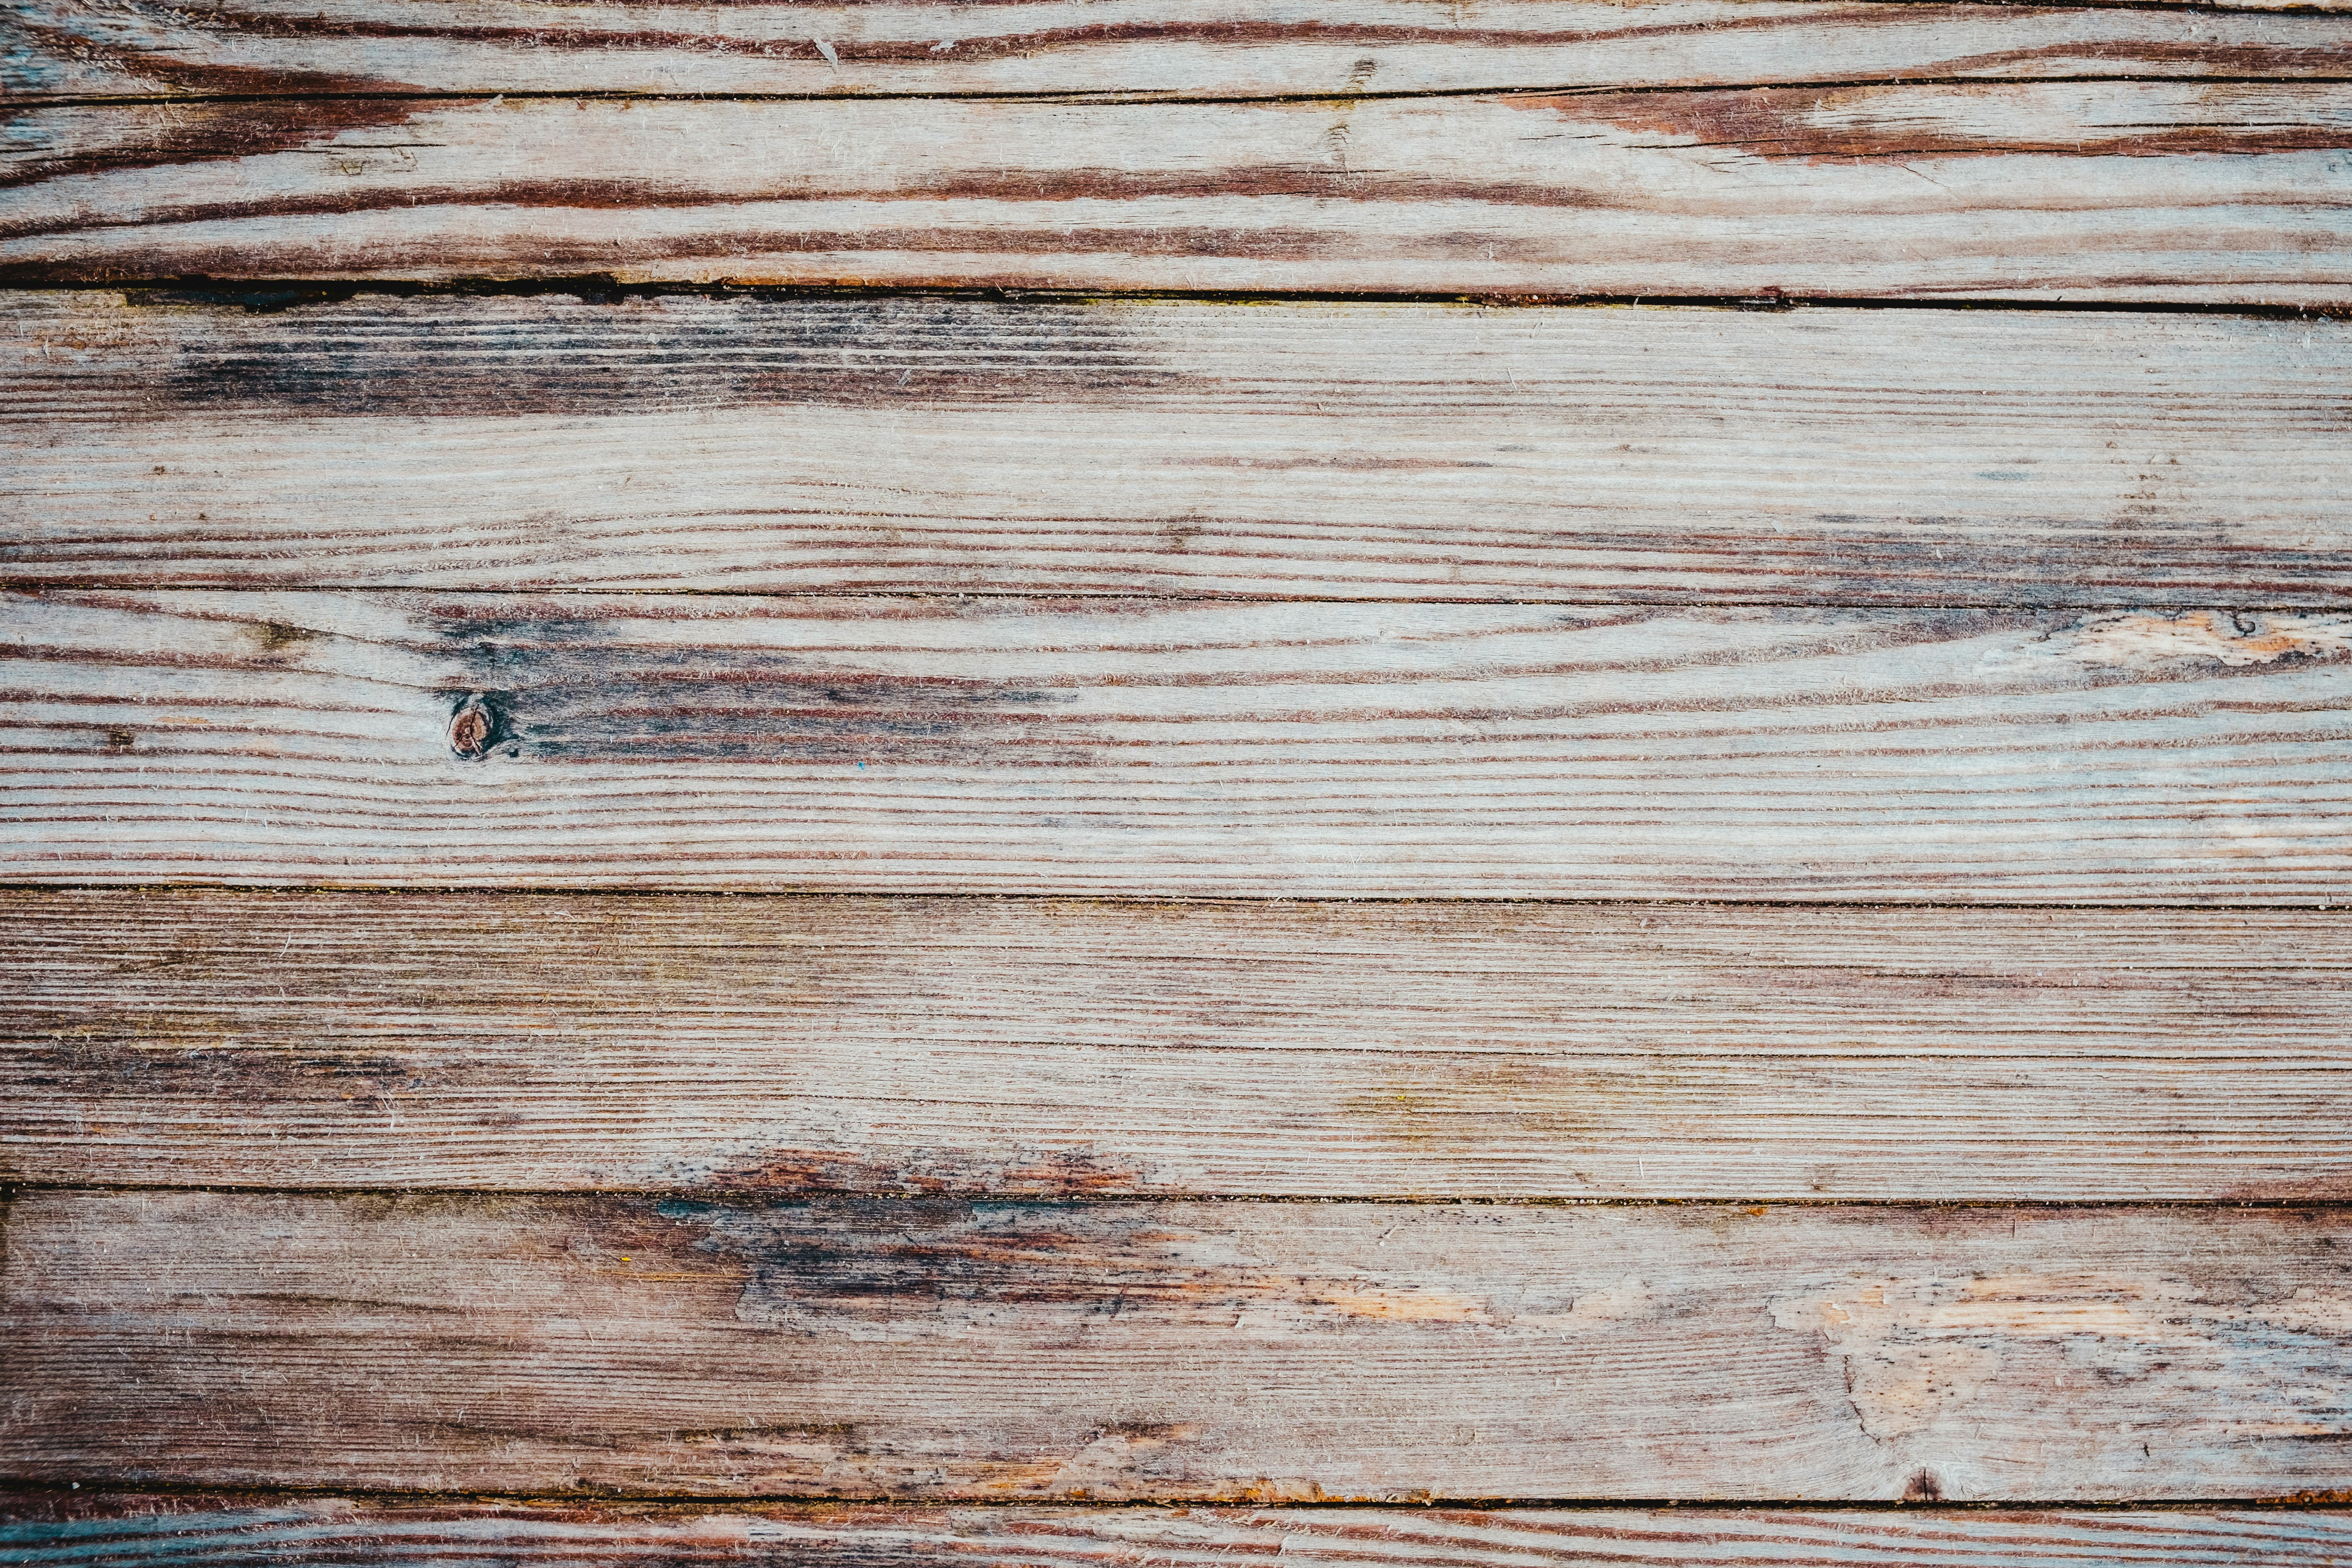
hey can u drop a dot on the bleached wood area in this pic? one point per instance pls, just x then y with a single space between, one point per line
897 784
1337 451
2108 190
163 1530
896 1046
1263 1351
1324 48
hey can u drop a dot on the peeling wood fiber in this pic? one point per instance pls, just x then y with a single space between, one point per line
1234 1352
170 1530
967 1047
2228 193
1355 451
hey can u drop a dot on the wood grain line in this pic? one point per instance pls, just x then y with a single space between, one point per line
2148 191
961 1046
1143 48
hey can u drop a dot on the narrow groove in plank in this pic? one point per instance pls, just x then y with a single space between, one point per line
341 1041
1305 452
264 295
1226 1351
1326 100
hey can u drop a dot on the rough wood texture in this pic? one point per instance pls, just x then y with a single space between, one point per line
1247 1351
2210 192
1331 48
1148 748
1362 451
85 1531
985 1047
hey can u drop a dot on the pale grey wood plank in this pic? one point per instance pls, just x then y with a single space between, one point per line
1359 451
1253 1351
968 1046
1145 748
1147 47
69 1530
2136 191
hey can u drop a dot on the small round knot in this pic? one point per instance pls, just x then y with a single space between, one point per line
469 731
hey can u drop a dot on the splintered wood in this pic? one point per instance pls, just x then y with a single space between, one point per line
1018 785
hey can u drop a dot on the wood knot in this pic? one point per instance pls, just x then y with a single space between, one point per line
470 729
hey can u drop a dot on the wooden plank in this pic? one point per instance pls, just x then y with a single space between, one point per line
1045 1049
1357 451
249 47
1247 1351
158 1531
1151 748
2185 191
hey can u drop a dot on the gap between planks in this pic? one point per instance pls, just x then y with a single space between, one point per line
1114 98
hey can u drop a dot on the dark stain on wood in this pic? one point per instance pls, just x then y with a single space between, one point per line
935 1172
202 132
554 686
849 352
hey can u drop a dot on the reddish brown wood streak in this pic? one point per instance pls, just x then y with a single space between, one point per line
1780 122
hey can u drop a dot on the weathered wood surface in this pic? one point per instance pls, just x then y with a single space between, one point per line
71 1530
962 1046
1361 451
2139 191
1154 748
1246 1351
1151 48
